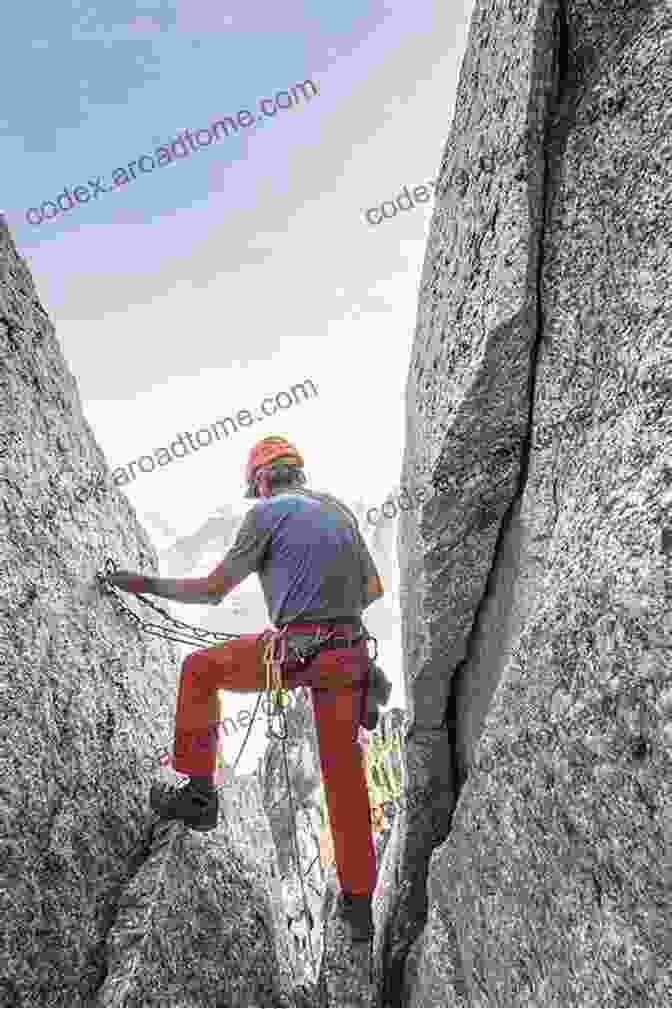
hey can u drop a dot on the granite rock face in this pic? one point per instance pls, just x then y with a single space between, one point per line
306 931
85 696
535 583
192 930
244 821
92 892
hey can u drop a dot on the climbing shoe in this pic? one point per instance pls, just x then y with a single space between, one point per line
377 696
356 910
196 807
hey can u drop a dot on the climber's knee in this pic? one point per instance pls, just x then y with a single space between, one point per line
192 664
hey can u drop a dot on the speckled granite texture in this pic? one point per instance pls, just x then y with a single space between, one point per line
84 696
192 930
304 770
535 589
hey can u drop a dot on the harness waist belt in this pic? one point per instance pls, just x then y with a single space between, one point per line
338 626
341 643
313 642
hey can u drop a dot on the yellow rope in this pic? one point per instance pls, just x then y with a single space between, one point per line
274 687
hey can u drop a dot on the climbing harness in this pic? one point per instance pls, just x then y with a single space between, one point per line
275 655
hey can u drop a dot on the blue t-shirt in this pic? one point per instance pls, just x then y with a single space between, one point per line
311 558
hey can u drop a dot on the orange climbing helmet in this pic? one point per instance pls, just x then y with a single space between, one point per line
268 450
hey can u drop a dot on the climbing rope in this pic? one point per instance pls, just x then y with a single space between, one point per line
275 655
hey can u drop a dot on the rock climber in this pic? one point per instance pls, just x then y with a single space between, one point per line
317 576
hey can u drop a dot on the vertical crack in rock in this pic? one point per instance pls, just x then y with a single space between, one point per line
549 889
131 928
555 136
479 412
100 966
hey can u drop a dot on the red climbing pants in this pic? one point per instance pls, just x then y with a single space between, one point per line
337 678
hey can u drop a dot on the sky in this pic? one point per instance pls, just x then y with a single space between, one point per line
246 266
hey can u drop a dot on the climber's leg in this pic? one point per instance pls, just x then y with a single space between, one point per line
235 665
337 714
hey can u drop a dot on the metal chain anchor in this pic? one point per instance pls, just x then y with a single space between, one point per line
181 632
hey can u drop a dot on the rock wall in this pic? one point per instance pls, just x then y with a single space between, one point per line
535 589
244 821
192 928
306 931
90 890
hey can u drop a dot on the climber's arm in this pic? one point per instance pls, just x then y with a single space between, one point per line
202 591
244 557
